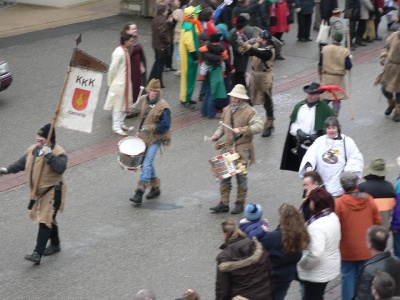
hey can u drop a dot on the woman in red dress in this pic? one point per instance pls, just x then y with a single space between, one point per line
138 61
279 12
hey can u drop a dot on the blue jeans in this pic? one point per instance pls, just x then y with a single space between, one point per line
148 170
350 270
208 108
396 243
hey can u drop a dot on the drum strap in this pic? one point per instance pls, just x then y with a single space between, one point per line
144 117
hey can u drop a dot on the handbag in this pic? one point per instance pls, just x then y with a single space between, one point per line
323 34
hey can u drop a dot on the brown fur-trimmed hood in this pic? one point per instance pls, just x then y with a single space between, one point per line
241 247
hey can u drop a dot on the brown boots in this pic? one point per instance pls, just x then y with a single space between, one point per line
268 127
138 197
223 205
154 188
392 105
396 116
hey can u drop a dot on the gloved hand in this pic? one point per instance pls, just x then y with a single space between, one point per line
252 41
382 60
3 171
46 149
298 9
302 136
313 137
148 128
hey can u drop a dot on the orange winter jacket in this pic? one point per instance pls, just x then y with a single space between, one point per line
357 211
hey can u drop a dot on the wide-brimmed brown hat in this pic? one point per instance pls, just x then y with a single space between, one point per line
239 91
154 85
377 167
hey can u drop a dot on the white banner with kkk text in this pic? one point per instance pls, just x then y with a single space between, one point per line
80 99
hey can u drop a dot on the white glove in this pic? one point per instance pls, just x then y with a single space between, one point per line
46 149
298 9
3 171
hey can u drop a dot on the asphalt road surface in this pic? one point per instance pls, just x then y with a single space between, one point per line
110 248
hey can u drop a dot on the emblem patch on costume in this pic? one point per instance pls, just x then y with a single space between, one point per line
80 99
330 156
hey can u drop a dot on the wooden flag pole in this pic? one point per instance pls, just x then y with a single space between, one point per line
350 83
53 121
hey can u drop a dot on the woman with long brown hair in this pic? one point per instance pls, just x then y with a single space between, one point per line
138 60
284 246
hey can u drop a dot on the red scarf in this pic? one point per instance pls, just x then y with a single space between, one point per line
196 23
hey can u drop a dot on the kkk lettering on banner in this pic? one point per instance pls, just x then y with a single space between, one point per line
80 99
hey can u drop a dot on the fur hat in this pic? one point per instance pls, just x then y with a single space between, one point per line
240 22
239 91
313 88
44 132
337 36
154 85
377 167
253 211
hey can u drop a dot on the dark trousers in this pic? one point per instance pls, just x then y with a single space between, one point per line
239 78
362 25
158 66
168 58
45 234
304 25
389 95
377 20
353 26
279 290
269 106
314 290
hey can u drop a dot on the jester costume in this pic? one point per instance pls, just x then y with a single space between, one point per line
188 50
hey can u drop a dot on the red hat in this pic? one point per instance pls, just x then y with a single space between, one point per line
211 28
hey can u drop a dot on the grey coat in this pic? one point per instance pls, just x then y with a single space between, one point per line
366 6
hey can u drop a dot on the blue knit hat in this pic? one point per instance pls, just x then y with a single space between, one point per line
253 211
223 29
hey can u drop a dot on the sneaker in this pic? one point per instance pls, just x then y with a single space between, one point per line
52 249
34 257
220 207
126 128
120 132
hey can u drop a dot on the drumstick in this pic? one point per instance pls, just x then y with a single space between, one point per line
223 124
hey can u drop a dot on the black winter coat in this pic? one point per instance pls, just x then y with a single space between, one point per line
326 8
283 265
382 261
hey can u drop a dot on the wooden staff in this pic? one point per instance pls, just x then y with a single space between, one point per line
53 121
350 84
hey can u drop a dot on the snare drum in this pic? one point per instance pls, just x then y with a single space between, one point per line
131 153
224 166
